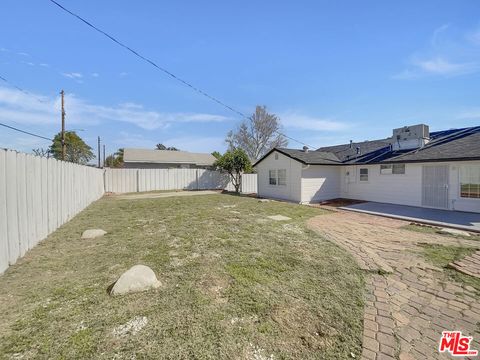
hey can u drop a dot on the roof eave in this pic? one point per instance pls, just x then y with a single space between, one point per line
281 152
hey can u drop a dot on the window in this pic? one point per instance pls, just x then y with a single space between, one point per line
363 174
277 177
386 169
282 177
470 182
272 176
398 169
395 169
276 156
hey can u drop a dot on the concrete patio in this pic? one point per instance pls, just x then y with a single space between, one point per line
455 219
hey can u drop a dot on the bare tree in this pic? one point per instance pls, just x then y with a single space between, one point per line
163 147
42 152
257 135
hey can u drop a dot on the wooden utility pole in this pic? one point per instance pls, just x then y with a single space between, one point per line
63 125
103 155
99 158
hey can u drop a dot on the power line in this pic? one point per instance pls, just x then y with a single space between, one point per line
25 132
158 67
22 90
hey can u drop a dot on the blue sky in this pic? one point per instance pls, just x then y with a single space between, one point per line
333 71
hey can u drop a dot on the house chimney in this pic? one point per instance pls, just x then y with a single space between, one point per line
351 143
305 148
358 150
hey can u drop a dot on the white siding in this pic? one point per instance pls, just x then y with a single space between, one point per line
292 190
403 189
320 183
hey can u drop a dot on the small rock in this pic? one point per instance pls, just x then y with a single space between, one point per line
263 200
279 217
137 278
455 232
93 233
229 206
132 327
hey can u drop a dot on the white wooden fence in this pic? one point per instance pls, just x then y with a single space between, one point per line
137 180
37 195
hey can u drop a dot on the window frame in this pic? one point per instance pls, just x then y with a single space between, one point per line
392 169
276 177
284 178
462 168
360 175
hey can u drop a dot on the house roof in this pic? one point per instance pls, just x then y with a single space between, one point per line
447 145
167 157
310 157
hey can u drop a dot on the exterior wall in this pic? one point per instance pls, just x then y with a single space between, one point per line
404 189
321 183
292 190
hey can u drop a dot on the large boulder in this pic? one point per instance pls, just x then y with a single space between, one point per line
93 233
137 278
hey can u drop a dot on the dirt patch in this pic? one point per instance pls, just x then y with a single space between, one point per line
215 287
338 202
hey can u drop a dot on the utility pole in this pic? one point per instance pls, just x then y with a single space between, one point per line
99 158
63 125
103 155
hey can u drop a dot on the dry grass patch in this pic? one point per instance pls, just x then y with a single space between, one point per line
233 287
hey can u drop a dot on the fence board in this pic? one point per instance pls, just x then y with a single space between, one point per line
3 213
12 216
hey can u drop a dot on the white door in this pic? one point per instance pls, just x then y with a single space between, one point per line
435 186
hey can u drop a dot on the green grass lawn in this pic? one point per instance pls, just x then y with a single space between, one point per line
235 285
435 230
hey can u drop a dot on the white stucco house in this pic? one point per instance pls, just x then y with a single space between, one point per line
413 167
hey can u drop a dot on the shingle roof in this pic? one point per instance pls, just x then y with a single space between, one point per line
167 157
311 157
453 144
347 152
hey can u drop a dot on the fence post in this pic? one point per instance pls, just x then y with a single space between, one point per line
196 176
138 181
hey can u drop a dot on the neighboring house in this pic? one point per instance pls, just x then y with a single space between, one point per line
414 167
166 159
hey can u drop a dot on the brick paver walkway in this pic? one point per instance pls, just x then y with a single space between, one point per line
409 302
469 265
